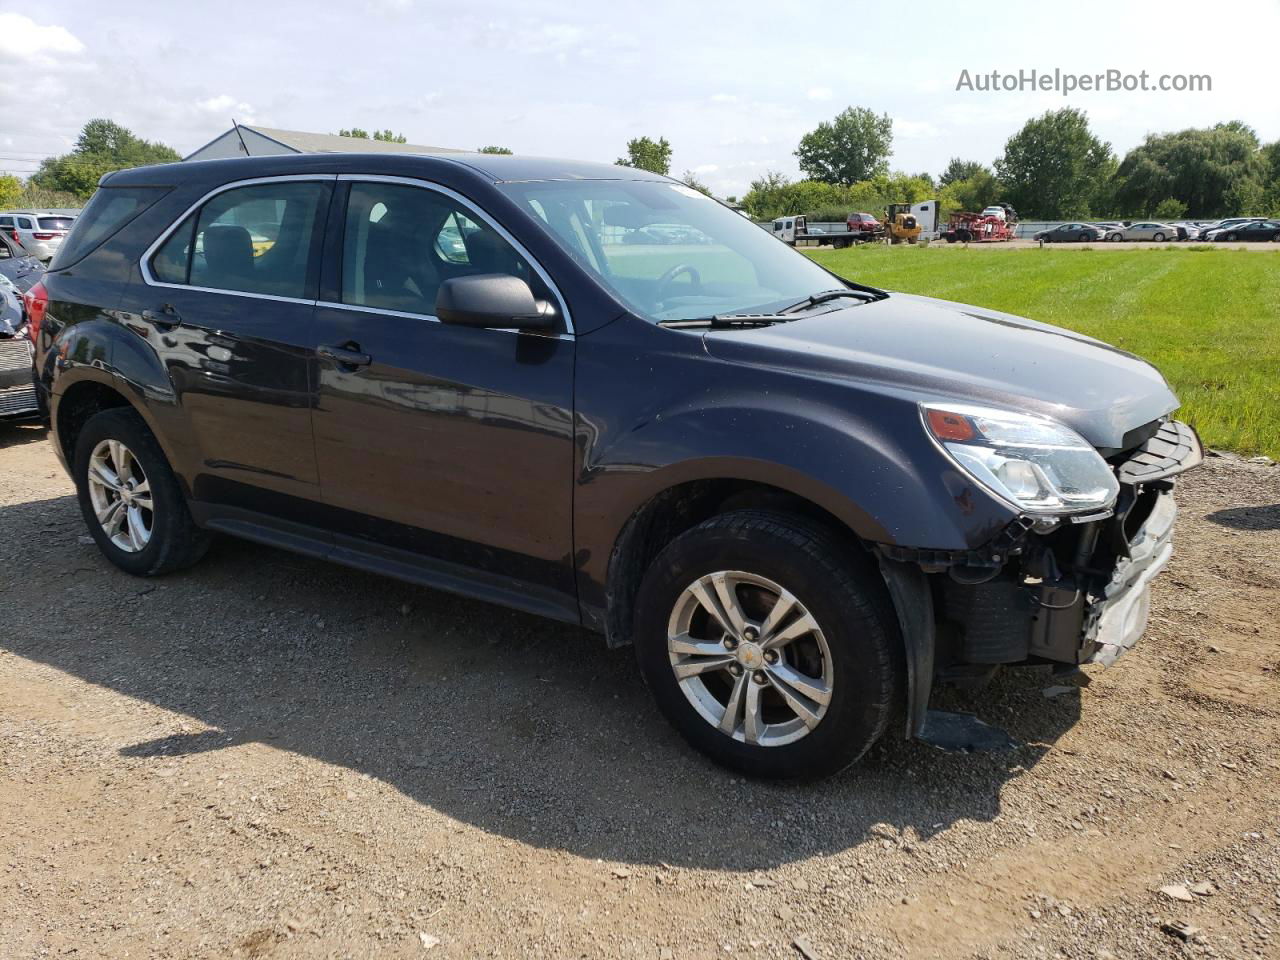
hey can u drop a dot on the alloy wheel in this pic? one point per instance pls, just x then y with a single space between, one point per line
750 658
121 496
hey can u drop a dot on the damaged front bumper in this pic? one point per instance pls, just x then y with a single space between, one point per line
1120 616
1077 593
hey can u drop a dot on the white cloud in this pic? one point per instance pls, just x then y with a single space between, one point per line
914 129
723 98
226 106
22 39
706 168
819 93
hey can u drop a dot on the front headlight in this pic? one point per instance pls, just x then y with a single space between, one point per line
1037 464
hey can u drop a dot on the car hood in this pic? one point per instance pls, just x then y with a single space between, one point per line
938 350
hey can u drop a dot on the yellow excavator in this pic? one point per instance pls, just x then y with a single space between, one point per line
900 224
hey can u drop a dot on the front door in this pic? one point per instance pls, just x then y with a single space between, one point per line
227 304
443 445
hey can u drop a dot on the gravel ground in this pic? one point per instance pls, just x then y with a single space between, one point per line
271 756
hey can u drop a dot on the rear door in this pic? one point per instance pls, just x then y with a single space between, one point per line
443 446
227 303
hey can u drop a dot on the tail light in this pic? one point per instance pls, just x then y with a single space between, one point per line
37 301
44 236
16 239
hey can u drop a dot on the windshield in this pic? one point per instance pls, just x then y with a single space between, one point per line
667 251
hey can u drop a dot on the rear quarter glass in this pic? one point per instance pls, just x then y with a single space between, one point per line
107 211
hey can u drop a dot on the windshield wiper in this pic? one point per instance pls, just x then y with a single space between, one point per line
866 296
723 321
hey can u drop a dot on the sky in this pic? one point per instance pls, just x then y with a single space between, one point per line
732 85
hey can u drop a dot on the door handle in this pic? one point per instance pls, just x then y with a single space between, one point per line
166 319
346 355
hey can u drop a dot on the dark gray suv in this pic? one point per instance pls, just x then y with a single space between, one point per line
804 501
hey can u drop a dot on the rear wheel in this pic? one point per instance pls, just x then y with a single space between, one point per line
1158 237
769 645
130 498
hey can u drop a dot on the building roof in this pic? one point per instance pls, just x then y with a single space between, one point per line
305 142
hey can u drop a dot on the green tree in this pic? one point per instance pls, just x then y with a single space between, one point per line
1054 166
1214 172
958 169
854 146
973 193
10 190
502 150
103 146
1170 209
1271 176
386 136
645 153
773 195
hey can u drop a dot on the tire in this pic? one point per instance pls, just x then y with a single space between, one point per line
1158 237
1115 238
172 540
853 657
1231 238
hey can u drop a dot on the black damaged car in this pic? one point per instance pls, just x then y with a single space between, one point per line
804 501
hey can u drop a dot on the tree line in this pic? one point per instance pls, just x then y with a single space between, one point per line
1053 168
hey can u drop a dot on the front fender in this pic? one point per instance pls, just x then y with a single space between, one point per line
869 464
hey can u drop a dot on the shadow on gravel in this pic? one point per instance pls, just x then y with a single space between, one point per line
1248 518
521 727
16 434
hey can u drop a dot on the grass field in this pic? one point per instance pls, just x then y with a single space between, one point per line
1209 319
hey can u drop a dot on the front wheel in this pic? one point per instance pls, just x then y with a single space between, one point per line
1115 238
770 645
130 498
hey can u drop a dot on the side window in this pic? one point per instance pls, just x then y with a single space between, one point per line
25 223
401 242
256 239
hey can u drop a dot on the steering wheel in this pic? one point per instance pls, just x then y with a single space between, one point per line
667 278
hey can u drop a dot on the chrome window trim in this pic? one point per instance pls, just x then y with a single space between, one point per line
147 277
502 231
145 263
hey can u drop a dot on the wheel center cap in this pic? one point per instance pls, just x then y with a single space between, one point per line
750 655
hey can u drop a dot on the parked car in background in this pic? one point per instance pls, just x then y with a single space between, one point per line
39 231
1209 231
1252 232
18 397
18 266
1187 230
803 500
1145 230
864 224
1069 233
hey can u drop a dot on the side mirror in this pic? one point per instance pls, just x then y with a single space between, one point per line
492 300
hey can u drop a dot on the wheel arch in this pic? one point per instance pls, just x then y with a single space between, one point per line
91 391
684 501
